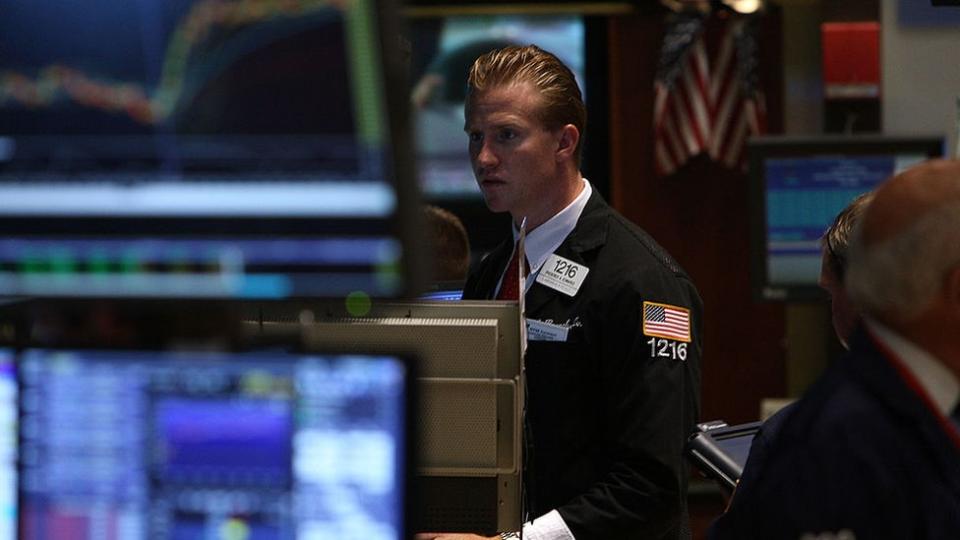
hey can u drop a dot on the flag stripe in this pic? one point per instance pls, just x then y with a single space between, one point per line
662 320
688 107
682 111
724 58
706 103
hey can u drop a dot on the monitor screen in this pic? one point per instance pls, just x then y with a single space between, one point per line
145 444
443 50
799 185
200 148
443 295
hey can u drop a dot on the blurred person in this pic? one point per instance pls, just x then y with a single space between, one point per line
872 450
844 316
451 245
833 268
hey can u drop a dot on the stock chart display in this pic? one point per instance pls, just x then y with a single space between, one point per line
141 444
190 148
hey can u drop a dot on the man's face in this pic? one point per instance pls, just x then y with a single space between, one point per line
844 315
513 154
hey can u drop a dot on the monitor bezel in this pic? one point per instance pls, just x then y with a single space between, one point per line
294 347
403 225
770 146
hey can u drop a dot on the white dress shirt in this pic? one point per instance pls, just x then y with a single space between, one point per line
540 244
938 382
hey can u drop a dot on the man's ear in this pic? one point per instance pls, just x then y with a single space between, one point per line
567 145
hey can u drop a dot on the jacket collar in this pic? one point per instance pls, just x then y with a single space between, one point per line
493 265
591 230
892 385
589 234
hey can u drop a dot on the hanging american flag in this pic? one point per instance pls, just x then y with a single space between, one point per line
706 99
740 107
681 112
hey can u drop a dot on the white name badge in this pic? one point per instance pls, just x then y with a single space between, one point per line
544 331
562 275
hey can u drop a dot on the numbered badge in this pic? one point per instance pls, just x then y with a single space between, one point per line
562 275
668 328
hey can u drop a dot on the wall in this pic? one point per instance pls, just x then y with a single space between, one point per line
757 350
921 76
700 215
919 94
803 87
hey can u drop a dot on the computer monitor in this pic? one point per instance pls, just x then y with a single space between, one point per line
721 451
204 149
148 444
468 453
798 185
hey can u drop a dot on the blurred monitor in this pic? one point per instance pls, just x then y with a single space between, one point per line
470 394
273 445
444 292
443 49
203 148
799 185
8 445
451 295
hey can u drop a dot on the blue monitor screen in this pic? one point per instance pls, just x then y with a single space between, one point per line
196 148
804 195
138 444
799 188
451 295
200 438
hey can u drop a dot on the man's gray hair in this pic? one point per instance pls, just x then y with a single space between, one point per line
901 275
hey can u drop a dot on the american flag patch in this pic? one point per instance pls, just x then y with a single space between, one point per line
666 321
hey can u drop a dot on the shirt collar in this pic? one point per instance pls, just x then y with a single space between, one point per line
545 239
937 381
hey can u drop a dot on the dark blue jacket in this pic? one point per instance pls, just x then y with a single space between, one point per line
862 451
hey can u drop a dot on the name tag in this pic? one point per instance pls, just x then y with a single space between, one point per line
562 275
544 331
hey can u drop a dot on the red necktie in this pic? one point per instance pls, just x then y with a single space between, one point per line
510 285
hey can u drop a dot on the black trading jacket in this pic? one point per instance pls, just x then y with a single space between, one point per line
609 410
863 451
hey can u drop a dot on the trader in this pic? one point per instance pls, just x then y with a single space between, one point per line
738 518
871 451
613 363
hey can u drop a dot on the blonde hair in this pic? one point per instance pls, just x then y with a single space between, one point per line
562 100
837 238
